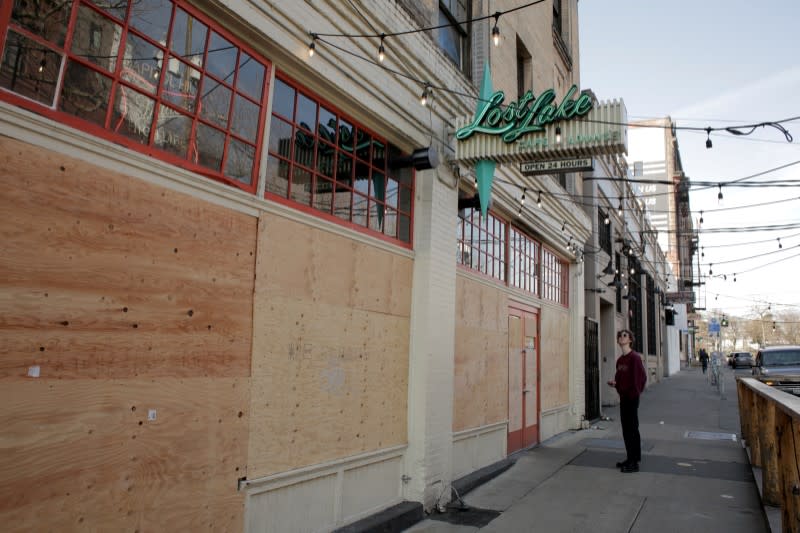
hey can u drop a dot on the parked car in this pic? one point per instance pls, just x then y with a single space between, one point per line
779 367
741 359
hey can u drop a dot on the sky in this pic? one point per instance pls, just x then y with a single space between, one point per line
715 63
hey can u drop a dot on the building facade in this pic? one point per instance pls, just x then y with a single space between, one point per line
230 281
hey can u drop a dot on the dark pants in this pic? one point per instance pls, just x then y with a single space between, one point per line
705 365
629 417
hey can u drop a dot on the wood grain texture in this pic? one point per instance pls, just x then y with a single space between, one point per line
116 297
481 355
330 358
554 357
104 276
83 455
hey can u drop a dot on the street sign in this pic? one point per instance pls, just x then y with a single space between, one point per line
561 165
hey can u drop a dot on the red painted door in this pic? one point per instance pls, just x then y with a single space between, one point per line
523 378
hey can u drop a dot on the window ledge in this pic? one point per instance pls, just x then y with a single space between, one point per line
561 48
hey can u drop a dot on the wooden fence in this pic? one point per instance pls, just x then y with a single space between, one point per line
771 429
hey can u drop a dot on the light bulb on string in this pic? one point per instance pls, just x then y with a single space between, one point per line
381 49
701 217
734 277
426 96
710 272
522 200
312 45
496 30
779 243
539 199
708 138
619 209
719 196
558 134
702 251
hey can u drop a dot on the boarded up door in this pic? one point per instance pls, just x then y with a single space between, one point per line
523 378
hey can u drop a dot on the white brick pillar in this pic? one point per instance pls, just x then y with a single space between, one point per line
429 458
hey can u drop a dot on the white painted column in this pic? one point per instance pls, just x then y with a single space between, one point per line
429 459
577 366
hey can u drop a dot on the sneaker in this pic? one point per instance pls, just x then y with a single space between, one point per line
630 467
620 464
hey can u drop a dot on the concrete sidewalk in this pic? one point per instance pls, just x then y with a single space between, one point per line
695 475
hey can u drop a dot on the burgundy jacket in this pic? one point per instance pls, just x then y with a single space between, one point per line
631 376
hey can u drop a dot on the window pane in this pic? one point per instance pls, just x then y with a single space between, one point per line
251 76
376 217
378 188
115 8
180 84
342 201
304 149
283 100
188 37
29 69
363 146
141 65
344 170
280 137
323 196
85 93
301 186
327 125
392 190
241 158
390 222
216 102
346 134
449 39
378 154
362 178
210 146
277 176
221 58
245 118
306 113
96 38
326 159
46 18
172 131
359 210
151 17
404 197
404 228
133 114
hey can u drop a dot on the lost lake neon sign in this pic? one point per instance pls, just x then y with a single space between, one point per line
526 115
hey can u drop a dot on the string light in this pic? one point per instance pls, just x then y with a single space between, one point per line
496 30
708 138
619 209
701 217
539 199
42 65
558 134
425 97
381 49
779 243
312 45
719 196
606 220
522 200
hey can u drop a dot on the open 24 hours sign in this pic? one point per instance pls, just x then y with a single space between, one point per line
560 165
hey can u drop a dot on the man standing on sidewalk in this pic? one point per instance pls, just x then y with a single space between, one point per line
629 382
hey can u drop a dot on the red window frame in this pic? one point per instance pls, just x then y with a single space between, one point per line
487 244
123 87
524 262
482 243
322 161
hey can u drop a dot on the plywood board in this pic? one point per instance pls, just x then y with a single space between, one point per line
481 355
116 297
88 455
330 361
554 357
105 276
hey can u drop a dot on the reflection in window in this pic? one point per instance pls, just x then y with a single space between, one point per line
120 73
319 158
